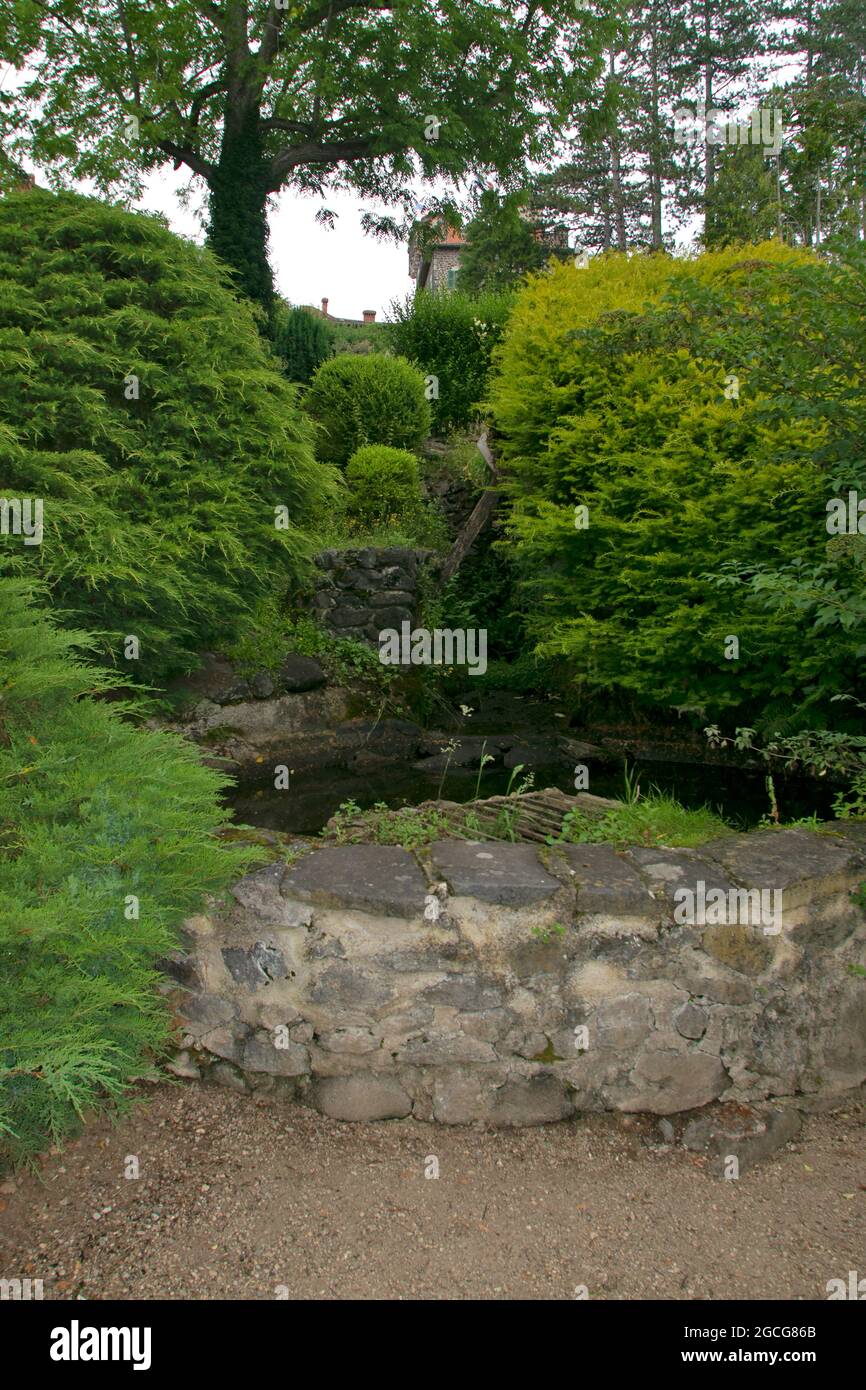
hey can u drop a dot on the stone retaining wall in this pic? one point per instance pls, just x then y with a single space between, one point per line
360 592
501 983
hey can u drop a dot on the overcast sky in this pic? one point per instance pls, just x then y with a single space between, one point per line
354 270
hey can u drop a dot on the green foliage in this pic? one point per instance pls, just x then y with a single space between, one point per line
502 246
412 826
358 339
615 392
94 813
450 336
654 819
303 341
367 400
159 511
272 633
258 96
383 483
742 205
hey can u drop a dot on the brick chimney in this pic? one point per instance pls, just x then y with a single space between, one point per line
324 306
369 315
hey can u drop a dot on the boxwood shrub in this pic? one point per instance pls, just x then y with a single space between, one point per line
450 336
384 485
374 399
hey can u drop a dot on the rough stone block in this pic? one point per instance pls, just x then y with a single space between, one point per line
354 1041
443 1049
510 875
203 1011
465 991
610 891
261 1054
255 967
343 986
666 870
805 866
691 1021
260 893
536 1100
665 1082
300 673
747 1133
369 878
365 1097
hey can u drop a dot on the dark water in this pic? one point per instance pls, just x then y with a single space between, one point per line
313 797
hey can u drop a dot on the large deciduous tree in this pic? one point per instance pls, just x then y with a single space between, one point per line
254 96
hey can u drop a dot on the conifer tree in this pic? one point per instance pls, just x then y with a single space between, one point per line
107 841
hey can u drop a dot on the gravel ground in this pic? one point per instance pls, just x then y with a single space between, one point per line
246 1198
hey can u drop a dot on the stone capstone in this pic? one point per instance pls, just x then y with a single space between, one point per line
509 875
369 878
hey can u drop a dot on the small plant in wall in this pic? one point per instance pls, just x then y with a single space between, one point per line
546 934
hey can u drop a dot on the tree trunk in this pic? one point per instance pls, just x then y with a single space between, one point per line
238 227
655 140
615 176
709 148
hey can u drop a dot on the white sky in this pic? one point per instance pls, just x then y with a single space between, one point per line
354 270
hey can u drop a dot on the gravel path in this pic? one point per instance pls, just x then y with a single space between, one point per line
250 1199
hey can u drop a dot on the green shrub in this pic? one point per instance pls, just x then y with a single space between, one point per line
273 632
367 400
303 342
450 336
616 391
502 245
138 400
383 483
94 815
357 338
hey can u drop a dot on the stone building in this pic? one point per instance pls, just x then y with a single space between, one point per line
434 266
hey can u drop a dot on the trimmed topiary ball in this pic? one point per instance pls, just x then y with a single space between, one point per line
367 400
384 484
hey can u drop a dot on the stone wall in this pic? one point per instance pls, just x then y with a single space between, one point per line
501 983
360 592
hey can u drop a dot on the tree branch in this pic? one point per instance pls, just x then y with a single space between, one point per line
316 152
201 96
277 123
130 52
315 17
271 35
183 155
211 11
